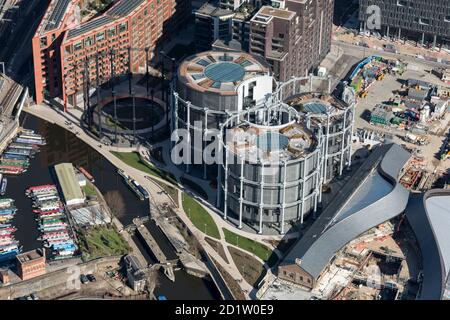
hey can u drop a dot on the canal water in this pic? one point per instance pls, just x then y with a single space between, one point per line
63 146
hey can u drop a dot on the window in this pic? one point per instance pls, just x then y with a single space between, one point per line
112 32
122 27
100 36
203 62
275 4
77 46
43 42
447 18
402 3
89 41
424 21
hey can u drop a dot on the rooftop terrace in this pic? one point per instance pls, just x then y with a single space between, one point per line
121 9
318 105
270 144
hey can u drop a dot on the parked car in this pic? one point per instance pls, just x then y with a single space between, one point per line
84 279
390 48
91 278
363 44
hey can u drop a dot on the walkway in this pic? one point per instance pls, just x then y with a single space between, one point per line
59 118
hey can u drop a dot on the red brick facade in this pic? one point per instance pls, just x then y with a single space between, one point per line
31 264
60 54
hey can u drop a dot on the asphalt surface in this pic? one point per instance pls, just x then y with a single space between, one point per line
358 51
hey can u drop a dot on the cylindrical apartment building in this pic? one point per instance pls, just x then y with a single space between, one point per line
323 111
271 170
212 86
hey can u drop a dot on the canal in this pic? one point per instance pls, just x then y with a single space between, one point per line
63 146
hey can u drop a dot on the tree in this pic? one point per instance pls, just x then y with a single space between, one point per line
115 202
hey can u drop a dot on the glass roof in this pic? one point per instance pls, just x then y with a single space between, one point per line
272 141
225 72
316 107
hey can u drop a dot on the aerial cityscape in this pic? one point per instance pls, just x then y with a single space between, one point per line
219 150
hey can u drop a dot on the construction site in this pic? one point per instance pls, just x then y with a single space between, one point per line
372 69
374 266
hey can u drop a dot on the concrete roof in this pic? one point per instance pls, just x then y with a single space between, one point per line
429 218
278 13
319 245
68 182
212 9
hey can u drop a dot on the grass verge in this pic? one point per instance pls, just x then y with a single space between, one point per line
200 217
218 248
232 283
251 269
258 249
133 160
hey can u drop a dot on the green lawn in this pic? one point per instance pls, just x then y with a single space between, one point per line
132 159
89 190
200 217
102 241
249 245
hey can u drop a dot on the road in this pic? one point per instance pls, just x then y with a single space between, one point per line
358 51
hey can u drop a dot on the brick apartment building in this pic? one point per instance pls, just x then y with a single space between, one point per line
31 264
64 46
424 21
294 36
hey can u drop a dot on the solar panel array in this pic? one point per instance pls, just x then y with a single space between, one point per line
91 25
57 14
222 72
123 8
